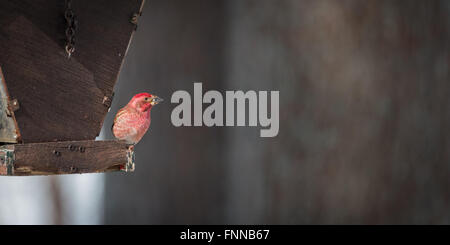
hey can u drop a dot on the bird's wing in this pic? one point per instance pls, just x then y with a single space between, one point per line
120 113
123 128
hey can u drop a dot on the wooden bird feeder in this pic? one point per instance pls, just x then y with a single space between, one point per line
52 101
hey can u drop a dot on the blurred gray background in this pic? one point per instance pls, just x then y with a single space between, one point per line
364 114
364 117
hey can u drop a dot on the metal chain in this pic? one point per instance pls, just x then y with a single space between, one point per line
72 25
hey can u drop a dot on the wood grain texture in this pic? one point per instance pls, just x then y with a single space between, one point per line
62 99
69 157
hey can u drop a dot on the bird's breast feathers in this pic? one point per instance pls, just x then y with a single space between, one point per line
130 125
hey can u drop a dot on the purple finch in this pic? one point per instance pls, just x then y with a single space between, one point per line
133 120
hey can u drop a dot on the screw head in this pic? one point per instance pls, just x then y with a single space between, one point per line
72 148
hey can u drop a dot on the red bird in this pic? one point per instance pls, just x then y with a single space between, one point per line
133 120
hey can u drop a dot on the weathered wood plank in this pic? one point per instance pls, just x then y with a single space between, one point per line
60 104
68 157
62 99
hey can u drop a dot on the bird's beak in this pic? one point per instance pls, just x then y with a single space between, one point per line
156 100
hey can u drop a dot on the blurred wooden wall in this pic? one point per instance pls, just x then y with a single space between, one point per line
364 114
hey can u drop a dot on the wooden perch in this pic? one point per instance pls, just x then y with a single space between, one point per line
66 157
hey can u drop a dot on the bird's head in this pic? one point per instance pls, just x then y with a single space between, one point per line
144 101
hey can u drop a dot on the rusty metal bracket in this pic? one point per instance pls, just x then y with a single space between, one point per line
6 161
129 167
135 17
107 101
13 106
9 129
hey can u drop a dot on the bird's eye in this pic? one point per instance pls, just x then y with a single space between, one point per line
146 99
